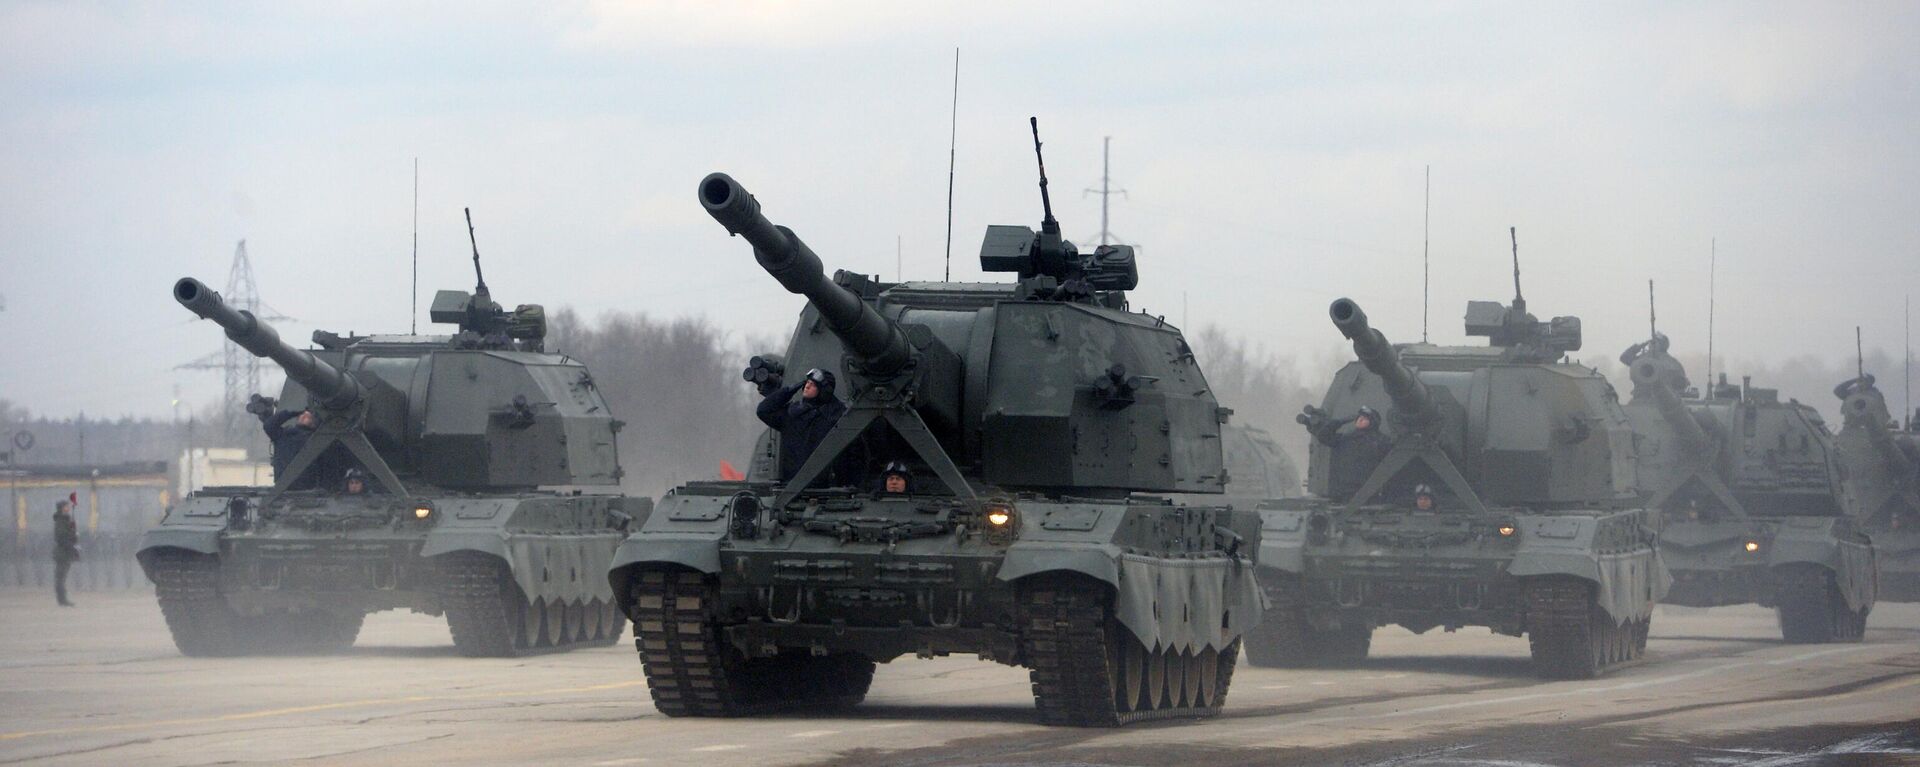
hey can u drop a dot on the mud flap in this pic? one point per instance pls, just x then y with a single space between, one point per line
201 541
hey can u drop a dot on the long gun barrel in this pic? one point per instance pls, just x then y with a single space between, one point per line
328 386
876 342
1650 376
1409 395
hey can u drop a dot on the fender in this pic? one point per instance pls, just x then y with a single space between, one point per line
695 551
199 541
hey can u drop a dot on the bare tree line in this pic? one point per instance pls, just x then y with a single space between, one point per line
675 382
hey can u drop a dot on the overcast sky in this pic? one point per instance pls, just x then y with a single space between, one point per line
1273 160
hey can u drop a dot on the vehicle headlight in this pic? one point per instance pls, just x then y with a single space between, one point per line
1002 522
1752 546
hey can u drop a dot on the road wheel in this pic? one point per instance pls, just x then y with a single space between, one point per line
577 628
1084 665
594 618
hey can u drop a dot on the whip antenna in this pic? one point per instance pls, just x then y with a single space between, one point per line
416 246
1426 268
1519 302
953 136
1713 259
1653 326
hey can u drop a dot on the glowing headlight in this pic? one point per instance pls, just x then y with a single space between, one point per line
1506 530
422 512
999 517
1753 546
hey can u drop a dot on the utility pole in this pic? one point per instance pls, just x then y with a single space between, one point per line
1106 190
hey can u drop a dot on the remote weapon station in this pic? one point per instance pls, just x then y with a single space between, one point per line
1464 486
422 483
1750 493
1029 415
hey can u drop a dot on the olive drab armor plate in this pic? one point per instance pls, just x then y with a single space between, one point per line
1032 415
1750 491
1490 486
456 439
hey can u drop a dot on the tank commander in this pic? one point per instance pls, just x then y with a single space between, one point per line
804 422
896 479
1423 498
287 430
1364 442
355 483
66 548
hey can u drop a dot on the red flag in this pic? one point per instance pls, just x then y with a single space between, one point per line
74 498
730 474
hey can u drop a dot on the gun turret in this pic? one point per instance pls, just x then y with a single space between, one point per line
877 344
1410 397
1864 408
1662 378
328 386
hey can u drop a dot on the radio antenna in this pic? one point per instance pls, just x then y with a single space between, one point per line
953 137
1653 325
416 246
1713 260
1519 302
1426 268
1859 357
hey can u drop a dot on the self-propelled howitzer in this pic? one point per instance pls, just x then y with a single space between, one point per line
1029 415
1749 490
1463 486
1883 473
439 474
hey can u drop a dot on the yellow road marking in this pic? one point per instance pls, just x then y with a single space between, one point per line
273 712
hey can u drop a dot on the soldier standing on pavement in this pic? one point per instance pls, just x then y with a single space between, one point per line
66 548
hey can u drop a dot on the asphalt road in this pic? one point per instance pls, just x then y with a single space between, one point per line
102 684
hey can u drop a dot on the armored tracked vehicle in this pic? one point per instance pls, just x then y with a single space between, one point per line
1459 486
1883 471
466 451
1751 498
1033 414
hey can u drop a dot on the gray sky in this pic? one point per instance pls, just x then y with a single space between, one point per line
1273 157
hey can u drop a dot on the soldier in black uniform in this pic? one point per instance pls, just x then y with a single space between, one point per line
66 548
1362 448
288 432
803 424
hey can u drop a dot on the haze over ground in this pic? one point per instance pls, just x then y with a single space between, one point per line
1274 160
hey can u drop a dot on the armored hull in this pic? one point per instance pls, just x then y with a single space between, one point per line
1579 580
849 581
237 574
